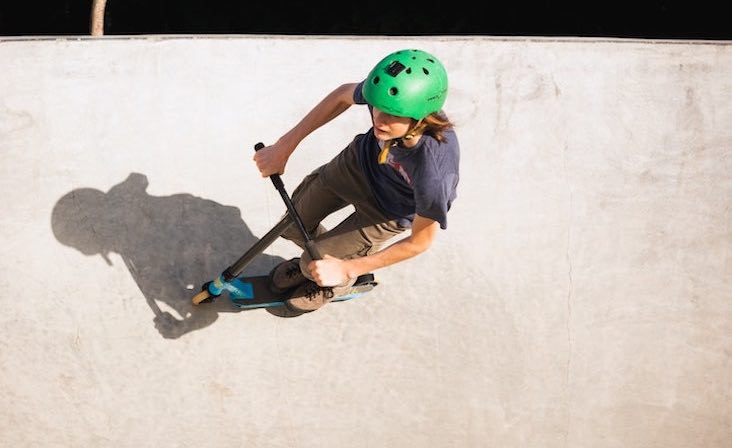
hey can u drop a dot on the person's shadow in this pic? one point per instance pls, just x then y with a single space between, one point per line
168 243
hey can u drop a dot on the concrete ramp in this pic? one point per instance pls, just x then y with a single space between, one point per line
580 297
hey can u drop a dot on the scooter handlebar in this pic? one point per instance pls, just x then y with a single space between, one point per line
280 186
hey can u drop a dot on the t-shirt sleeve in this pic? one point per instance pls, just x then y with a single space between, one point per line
358 94
435 206
434 191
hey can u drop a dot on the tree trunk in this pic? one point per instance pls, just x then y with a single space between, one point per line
97 17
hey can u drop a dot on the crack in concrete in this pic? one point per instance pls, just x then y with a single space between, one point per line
568 257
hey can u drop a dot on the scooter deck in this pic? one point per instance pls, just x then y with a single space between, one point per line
254 292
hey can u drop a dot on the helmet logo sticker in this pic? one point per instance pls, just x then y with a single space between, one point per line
395 68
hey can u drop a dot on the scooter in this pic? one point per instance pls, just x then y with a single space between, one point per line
254 291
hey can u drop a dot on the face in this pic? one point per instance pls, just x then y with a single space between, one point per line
388 126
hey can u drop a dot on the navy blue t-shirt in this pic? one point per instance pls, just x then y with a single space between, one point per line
422 179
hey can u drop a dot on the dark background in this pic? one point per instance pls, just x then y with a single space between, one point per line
654 19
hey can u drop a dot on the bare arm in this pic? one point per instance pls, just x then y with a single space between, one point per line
332 271
272 159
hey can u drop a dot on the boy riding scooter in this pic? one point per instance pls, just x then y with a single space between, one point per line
401 174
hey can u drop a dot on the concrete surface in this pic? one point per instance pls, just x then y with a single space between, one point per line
581 296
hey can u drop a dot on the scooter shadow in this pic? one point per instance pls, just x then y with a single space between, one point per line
171 245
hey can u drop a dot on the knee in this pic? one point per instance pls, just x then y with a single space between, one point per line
304 262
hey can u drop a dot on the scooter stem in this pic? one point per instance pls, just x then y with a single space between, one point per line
280 186
263 243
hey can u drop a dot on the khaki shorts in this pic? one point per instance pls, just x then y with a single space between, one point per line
330 188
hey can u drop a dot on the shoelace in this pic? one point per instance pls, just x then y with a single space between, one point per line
292 270
312 290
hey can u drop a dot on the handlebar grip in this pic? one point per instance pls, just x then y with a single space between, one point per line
275 178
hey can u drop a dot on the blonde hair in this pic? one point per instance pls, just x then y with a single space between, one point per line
436 124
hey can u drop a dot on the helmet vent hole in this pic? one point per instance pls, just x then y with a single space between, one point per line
426 72
393 91
376 80
409 71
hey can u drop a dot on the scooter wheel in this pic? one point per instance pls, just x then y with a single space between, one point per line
204 296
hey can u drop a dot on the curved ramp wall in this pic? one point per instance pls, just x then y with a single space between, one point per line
580 296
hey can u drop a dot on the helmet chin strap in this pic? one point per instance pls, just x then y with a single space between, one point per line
385 151
417 128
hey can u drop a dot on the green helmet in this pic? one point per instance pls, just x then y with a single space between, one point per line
407 83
